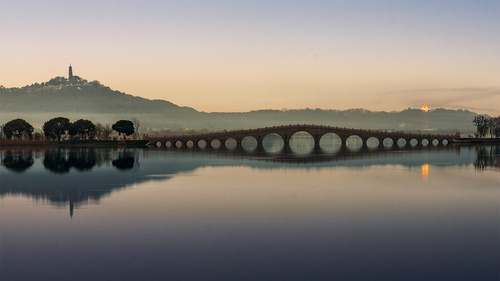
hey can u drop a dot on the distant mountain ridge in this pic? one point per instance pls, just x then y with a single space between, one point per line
77 98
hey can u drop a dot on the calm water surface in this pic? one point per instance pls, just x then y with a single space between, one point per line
157 214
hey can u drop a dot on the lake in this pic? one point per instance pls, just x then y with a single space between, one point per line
421 213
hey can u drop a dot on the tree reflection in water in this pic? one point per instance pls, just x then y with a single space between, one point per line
82 159
487 157
79 188
18 161
56 161
125 161
61 161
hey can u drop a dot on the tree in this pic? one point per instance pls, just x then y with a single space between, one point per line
481 122
124 127
137 124
82 128
495 127
56 127
17 128
489 124
102 132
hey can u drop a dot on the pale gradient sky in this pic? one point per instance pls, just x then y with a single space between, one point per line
247 55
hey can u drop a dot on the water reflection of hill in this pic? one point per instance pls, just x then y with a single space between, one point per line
79 176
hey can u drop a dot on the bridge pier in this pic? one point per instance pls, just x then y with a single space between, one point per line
380 143
364 144
286 142
394 143
238 143
343 142
209 143
317 146
260 147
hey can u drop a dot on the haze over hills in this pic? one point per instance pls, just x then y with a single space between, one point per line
77 98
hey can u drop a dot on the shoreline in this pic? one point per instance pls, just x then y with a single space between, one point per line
144 143
476 141
85 143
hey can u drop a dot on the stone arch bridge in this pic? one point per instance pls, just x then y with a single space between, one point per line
287 131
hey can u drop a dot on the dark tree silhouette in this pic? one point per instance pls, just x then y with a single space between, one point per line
17 128
124 127
82 128
56 127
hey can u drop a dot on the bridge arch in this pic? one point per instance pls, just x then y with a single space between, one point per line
179 144
354 142
249 143
373 142
302 142
201 143
401 142
215 143
190 144
387 142
231 143
273 143
413 142
330 142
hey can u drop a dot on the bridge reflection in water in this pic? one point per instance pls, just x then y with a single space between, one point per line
285 154
287 133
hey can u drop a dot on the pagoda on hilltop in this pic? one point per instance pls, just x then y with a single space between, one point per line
73 78
70 74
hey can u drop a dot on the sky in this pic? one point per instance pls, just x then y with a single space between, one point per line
228 56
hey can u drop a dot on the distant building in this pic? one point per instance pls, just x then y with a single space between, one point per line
73 78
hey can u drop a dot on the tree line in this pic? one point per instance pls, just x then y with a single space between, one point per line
61 127
485 125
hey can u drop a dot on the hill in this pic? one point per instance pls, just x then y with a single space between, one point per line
77 98
61 95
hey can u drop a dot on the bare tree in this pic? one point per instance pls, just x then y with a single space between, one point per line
481 122
494 125
137 124
103 131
